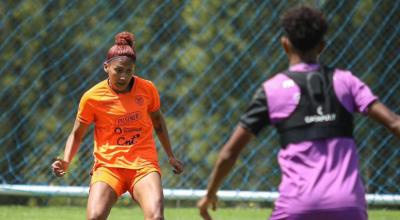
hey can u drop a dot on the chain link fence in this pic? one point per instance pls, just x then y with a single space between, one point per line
205 57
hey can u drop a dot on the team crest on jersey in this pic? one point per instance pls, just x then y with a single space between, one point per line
139 100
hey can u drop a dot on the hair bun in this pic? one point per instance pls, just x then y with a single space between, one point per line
125 38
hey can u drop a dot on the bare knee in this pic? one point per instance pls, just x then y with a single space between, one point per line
97 215
155 217
155 211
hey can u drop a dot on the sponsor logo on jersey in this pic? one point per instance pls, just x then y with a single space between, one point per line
320 117
134 116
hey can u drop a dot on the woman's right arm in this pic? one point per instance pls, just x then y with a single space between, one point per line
74 140
380 113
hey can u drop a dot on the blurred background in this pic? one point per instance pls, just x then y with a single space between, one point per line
206 59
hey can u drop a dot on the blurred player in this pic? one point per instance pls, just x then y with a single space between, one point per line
124 109
311 106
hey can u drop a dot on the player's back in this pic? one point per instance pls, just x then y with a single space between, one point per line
318 175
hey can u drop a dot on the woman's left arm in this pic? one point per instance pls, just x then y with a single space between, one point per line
162 133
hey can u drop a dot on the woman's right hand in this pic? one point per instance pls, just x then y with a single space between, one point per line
59 167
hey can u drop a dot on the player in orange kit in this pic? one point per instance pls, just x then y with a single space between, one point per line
124 109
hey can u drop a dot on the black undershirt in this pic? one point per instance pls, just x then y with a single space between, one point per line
256 117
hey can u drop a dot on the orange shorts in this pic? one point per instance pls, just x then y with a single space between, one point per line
121 179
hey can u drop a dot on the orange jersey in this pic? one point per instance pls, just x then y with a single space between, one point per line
123 133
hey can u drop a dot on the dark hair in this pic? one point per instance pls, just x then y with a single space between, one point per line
124 46
304 26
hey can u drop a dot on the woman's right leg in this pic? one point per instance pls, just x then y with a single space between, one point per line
101 199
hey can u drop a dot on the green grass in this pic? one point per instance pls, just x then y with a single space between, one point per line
126 213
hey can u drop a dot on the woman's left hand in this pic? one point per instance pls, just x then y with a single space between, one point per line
176 164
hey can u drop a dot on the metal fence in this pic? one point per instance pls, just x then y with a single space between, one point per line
205 57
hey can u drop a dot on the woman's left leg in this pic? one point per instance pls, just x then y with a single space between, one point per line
148 193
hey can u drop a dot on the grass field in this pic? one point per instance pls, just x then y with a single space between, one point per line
124 213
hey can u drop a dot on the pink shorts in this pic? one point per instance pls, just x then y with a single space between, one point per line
334 214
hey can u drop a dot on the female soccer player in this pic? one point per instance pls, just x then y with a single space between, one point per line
124 109
311 106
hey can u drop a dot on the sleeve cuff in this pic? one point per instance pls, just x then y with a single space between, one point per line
243 125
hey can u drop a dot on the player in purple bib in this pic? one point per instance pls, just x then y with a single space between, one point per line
311 106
